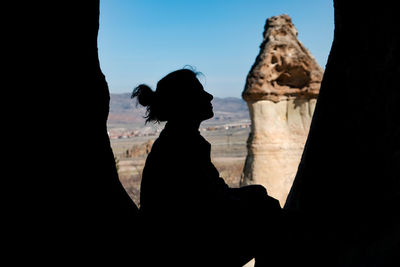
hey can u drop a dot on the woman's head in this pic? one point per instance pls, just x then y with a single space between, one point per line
178 96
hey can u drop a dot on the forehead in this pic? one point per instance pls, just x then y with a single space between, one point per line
188 81
195 87
198 84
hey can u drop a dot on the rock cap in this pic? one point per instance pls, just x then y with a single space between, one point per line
284 68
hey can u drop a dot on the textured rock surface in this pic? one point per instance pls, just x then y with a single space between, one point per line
281 91
284 68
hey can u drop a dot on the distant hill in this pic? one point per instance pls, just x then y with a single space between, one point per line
125 113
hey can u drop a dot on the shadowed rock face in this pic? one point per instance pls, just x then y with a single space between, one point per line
346 191
77 207
280 91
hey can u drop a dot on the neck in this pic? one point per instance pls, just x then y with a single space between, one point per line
185 125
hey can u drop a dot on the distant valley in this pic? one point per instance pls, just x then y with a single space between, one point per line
124 113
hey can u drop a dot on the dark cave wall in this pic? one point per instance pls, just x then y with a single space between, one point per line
348 183
346 190
85 106
98 176
82 204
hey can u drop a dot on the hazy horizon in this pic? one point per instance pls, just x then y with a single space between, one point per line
222 97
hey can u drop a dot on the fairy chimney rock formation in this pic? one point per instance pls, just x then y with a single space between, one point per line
281 91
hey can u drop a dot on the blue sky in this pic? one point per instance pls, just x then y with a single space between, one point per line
140 41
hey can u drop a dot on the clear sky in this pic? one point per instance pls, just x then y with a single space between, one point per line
140 41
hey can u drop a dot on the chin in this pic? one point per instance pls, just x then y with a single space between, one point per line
207 116
210 115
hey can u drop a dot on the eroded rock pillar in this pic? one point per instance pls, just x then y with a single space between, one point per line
281 91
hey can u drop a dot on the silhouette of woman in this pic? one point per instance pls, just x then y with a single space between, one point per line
190 214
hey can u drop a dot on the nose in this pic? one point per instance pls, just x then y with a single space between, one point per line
209 96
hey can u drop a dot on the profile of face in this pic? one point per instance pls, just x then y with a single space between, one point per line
190 102
180 97
200 106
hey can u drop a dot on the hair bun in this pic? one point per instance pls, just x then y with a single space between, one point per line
144 94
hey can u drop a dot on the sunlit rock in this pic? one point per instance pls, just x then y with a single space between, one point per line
281 91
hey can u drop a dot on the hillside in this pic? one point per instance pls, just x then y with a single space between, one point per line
125 113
